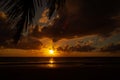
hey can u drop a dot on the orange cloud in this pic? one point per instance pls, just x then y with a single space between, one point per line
3 16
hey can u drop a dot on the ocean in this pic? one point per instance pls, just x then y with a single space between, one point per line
60 61
60 68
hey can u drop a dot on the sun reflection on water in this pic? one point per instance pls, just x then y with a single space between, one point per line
51 63
51 60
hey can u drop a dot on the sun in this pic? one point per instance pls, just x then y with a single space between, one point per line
51 51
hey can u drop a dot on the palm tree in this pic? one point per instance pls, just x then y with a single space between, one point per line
21 13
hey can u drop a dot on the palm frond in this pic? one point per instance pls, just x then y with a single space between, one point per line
21 13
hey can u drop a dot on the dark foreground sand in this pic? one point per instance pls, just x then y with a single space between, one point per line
68 73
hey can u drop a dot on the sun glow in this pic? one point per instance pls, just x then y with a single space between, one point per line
51 51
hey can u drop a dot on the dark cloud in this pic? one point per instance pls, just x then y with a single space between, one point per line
83 17
25 43
6 32
111 48
86 17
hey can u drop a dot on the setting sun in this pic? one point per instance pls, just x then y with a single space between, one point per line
51 51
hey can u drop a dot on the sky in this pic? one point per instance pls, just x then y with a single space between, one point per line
92 23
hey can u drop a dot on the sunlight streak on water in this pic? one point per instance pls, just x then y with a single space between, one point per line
51 63
51 60
58 62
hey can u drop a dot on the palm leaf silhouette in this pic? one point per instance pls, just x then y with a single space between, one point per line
21 13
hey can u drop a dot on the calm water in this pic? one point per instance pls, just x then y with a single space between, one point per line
56 62
62 68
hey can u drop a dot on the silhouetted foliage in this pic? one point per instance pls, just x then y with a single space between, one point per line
22 12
